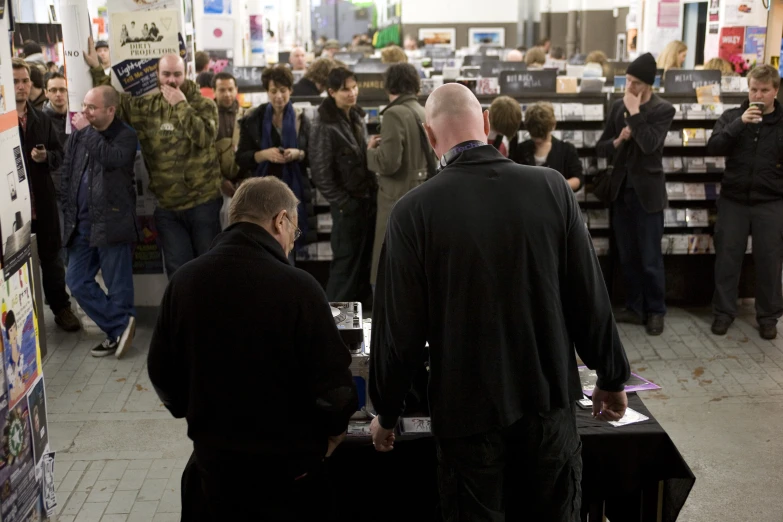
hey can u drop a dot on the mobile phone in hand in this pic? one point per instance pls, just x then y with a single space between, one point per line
40 147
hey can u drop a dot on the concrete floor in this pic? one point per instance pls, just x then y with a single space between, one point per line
120 455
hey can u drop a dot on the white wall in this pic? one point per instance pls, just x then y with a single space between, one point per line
459 11
563 6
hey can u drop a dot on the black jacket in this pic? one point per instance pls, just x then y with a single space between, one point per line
502 297
641 157
58 120
338 155
563 158
754 156
247 350
41 130
305 87
110 156
250 128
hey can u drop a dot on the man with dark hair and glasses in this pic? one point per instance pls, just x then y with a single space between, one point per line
100 217
294 340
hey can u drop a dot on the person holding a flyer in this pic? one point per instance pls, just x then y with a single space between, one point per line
177 128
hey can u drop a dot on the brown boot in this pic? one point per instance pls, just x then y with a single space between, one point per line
67 320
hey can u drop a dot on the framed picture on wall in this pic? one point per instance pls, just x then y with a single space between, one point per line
494 36
439 36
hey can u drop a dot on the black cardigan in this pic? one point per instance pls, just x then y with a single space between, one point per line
562 158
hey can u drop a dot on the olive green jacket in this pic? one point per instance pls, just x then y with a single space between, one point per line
177 142
400 162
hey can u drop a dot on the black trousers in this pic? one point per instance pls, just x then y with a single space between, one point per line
236 486
47 233
353 232
528 471
735 222
638 236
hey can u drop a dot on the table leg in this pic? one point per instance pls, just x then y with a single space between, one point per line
652 502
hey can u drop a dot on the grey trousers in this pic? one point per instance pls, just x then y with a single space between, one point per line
735 222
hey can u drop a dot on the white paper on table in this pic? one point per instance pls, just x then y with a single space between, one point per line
631 417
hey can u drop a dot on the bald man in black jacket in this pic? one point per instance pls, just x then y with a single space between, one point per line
491 263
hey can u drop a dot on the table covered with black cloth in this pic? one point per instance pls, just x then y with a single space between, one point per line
630 473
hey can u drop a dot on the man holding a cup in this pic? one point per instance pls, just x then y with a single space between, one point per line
751 202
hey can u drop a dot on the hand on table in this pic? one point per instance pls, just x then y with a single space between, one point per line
382 439
609 406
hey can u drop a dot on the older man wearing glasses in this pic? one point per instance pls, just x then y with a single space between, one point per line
99 205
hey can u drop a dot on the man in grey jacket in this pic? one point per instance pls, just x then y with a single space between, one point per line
100 217
398 155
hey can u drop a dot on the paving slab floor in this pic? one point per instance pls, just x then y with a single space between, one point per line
120 455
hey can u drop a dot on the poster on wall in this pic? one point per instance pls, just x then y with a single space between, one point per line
755 41
15 201
271 34
20 353
256 39
494 36
732 40
19 490
218 7
49 496
36 405
669 13
217 33
439 36
745 13
714 11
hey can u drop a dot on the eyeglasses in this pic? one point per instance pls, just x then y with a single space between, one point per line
297 232
90 108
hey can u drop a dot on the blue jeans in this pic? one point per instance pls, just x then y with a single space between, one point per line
110 312
186 234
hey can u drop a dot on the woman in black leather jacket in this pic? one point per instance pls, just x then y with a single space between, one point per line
338 165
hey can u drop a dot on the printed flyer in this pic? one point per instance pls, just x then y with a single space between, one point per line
20 352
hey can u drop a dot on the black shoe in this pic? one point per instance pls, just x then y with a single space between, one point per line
654 324
67 320
768 331
126 339
107 347
628 317
720 325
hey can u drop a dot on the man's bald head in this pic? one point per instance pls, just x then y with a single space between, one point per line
454 115
171 70
515 55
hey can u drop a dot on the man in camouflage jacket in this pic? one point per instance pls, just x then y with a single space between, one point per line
177 128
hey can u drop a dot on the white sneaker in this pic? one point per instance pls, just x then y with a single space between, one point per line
126 339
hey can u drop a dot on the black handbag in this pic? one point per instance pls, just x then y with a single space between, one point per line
602 186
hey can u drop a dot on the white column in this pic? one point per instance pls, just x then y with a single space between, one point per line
76 24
